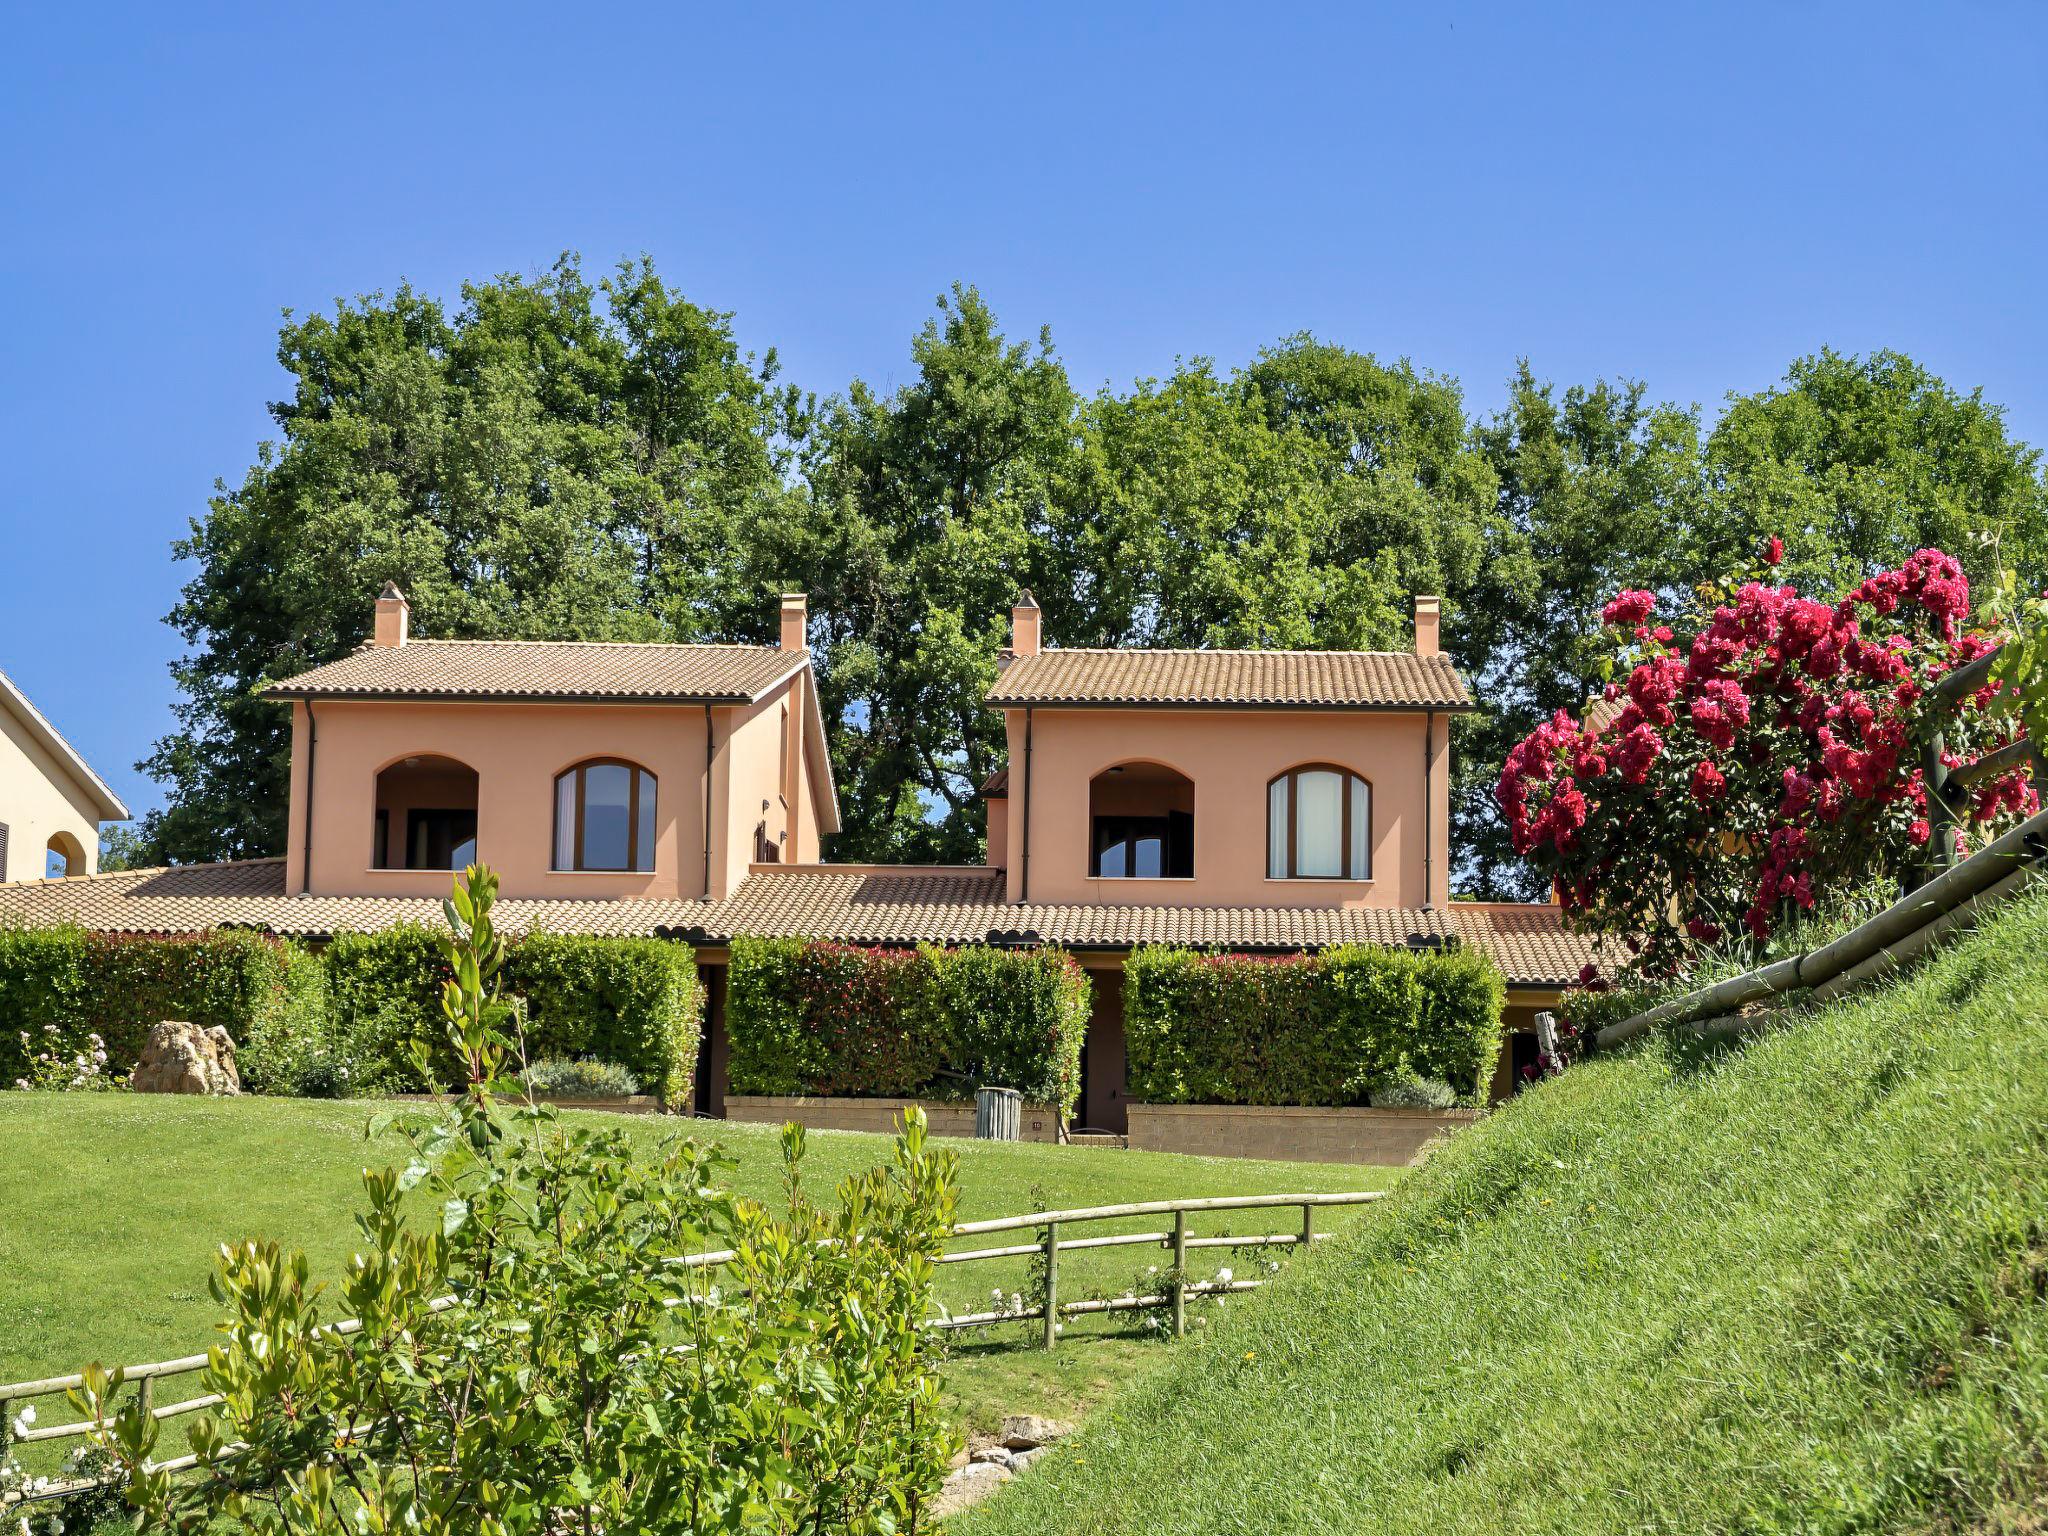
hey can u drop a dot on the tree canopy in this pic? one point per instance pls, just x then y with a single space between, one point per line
557 457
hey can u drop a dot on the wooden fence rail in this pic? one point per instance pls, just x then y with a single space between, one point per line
1050 1245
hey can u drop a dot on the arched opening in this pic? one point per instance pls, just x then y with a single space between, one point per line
1319 824
63 856
426 814
604 817
1141 823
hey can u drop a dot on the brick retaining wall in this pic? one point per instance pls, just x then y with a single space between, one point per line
1391 1138
945 1117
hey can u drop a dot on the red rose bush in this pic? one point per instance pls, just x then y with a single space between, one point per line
1774 756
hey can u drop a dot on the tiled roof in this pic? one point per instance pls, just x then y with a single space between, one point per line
870 906
1270 679
996 785
548 669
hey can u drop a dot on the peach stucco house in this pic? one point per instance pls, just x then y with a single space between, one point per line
1249 800
51 802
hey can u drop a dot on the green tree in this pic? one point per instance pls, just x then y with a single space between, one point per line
556 459
1595 490
930 508
1859 462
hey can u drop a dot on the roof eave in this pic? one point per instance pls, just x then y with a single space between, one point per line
1264 705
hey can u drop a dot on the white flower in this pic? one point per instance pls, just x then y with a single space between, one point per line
23 1419
996 1294
1223 1275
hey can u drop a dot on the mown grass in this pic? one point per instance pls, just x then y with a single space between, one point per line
112 1208
1799 1286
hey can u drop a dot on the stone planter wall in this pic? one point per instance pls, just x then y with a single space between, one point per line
1391 1138
945 1117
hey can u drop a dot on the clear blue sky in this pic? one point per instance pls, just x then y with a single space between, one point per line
1689 194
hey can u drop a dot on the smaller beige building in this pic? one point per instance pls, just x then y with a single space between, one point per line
51 802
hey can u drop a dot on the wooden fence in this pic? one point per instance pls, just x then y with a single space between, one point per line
1049 1246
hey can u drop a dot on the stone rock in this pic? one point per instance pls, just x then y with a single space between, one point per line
180 1057
1027 1431
1019 1460
994 1454
969 1485
960 1459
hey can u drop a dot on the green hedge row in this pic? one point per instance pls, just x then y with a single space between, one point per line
342 1021
1324 1029
634 1002
805 1016
117 986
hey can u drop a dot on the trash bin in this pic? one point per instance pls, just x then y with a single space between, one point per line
998 1114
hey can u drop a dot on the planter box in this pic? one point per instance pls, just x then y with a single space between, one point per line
946 1117
1390 1138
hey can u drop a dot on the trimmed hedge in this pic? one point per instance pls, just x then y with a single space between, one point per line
633 1002
120 985
1202 1028
805 1016
343 1021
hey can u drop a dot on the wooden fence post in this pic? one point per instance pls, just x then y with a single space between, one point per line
145 1391
1308 1225
1180 1274
1052 1282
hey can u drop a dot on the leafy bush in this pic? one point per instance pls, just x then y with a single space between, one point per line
119 986
1204 1028
634 1001
587 1376
555 1078
1412 1092
1766 757
807 1016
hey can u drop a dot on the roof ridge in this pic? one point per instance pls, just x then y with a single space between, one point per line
1206 650
645 645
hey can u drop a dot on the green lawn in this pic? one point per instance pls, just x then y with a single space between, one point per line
1800 1286
115 1204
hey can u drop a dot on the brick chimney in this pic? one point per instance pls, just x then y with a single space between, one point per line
1024 621
1428 617
394 618
796 621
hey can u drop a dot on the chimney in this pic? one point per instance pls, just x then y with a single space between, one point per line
796 621
394 618
1428 616
1024 619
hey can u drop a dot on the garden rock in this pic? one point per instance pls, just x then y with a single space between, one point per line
1019 1460
969 1485
181 1057
1027 1431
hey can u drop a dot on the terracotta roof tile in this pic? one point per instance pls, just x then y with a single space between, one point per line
1277 679
548 669
890 906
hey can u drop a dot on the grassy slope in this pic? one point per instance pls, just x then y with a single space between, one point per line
1803 1286
112 1206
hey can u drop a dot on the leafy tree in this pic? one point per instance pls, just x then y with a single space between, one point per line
1593 487
1860 462
556 460
931 507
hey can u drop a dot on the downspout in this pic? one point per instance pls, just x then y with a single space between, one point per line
1024 891
1428 799
707 802
312 757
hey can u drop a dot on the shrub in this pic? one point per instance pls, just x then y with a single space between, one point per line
1767 757
120 985
807 1016
587 1376
634 1001
1305 1029
558 1079
1412 1092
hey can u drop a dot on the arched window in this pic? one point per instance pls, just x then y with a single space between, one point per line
1318 825
1141 823
604 817
426 814
63 856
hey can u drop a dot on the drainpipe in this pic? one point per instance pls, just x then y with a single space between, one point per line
1428 800
1024 893
312 756
707 802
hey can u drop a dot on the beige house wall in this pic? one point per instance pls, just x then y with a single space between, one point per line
340 746
1231 755
40 799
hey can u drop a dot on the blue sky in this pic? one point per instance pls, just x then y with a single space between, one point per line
1688 194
